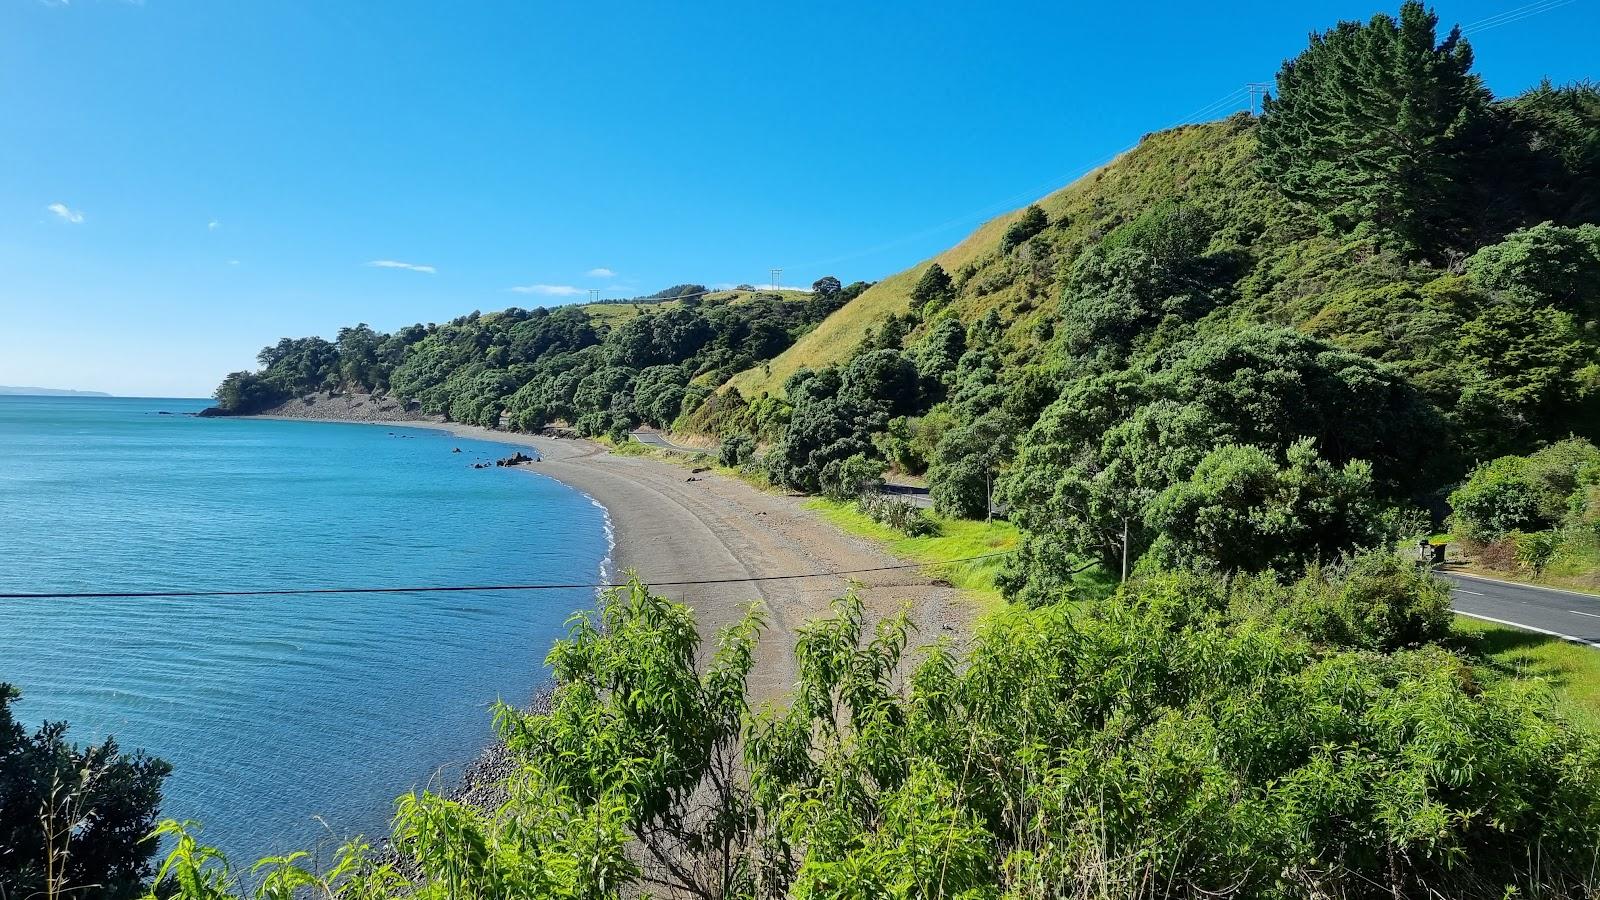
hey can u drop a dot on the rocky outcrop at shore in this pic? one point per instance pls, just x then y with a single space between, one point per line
342 407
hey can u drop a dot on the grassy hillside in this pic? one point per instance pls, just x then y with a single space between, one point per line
1205 164
615 313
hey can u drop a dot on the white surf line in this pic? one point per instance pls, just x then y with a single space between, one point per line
1521 627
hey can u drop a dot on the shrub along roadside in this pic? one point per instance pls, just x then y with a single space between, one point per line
1535 516
1169 740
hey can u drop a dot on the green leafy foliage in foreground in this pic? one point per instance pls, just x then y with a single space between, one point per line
73 820
1184 737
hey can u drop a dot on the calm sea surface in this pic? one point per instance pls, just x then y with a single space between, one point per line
276 710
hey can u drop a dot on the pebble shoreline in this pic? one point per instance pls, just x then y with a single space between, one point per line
482 785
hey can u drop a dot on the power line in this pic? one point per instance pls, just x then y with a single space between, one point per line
1033 193
466 588
1258 89
1507 17
644 301
1526 11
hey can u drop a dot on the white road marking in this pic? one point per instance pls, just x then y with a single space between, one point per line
1590 615
1555 634
1519 584
1465 591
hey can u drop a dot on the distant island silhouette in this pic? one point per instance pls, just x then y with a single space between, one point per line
11 391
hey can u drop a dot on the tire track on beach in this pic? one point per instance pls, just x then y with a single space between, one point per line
670 528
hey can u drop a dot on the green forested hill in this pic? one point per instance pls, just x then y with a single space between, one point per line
604 367
1403 293
1330 313
1239 363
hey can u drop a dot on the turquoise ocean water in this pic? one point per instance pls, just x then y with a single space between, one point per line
276 711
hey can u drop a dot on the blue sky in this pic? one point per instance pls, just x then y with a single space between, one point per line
183 182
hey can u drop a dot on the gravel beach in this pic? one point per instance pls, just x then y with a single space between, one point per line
671 526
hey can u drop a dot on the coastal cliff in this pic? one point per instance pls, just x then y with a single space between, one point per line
339 406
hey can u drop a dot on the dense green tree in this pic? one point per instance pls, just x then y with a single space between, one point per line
358 356
908 442
1523 370
658 394
1539 164
1032 221
1378 602
835 414
531 363
479 398
852 478
1241 511
243 393
1111 299
1546 264
73 820
890 335
936 355
965 466
736 449
1172 233
933 289
1371 126
1089 468
600 391
1501 495
1526 493
678 292
882 384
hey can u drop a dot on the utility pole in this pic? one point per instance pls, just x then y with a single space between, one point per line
594 295
777 275
1257 89
1124 548
988 493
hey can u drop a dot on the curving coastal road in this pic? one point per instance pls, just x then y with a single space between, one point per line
1569 615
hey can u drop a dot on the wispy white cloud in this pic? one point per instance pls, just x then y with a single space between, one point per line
396 264
213 225
233 262
66 213
601 272
547 290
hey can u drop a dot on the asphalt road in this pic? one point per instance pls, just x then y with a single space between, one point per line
1563 614
654 439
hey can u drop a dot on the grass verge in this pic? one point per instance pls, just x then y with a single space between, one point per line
1571 670
957 539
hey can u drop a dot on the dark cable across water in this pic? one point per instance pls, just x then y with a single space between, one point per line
435 589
